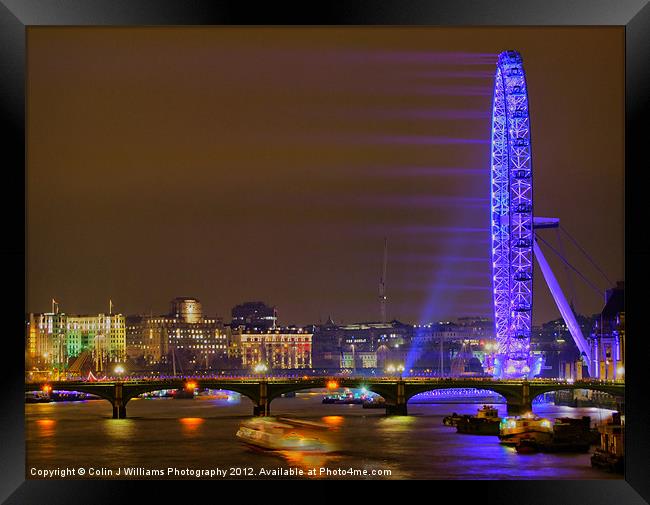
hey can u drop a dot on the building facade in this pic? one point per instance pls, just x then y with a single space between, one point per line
553 342
182 338
254 315
279 348
360 345
608 337
188 310
54 339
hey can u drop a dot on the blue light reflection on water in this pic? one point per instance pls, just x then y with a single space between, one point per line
201 434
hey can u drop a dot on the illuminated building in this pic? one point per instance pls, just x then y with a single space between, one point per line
373 344
464 362
105 333
54 338
476 328
46 341
254 315
468 340
184 336
354 360
187 309
327 345
559 352
279 348
368 341
608 337
472 329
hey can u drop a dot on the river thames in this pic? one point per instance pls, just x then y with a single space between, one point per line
199 434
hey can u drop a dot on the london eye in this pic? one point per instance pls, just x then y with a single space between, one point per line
512 217
514 242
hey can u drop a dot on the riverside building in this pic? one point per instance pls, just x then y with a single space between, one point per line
55 339
277 348
183 336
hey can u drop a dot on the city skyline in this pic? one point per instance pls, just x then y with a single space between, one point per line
228 169
281 322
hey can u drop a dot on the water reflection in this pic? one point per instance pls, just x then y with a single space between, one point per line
308 461
333 421
46 427
190 425
119 429
203 433
396 423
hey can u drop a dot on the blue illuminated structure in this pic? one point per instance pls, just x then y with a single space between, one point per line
512 218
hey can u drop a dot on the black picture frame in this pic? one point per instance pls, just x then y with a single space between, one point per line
17 15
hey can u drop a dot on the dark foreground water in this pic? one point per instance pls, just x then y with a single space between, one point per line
177 437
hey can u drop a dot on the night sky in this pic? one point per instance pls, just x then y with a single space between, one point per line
235 164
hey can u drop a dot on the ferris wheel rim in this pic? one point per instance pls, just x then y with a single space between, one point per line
511 227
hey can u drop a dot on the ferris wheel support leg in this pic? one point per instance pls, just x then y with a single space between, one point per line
565 309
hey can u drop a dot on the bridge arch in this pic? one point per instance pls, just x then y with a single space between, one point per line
614 390
385 391
511 395
104 391
412 395
242 389
616 393
75 389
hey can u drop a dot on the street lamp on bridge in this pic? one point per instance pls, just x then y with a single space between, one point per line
391 369
260 368
119 370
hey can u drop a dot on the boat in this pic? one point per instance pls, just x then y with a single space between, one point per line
184 394
452 420
527 446
610 455
512 429
162 393
59 396
485 422
212 395
282 434
569 435
487 412
374 403
348 398
71 396
37 398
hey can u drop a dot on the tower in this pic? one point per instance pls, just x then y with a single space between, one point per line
382 284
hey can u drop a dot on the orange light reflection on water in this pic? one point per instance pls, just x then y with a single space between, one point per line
333 421
191 424
307 461
46 427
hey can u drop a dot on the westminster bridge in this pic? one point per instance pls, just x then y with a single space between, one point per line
519 394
